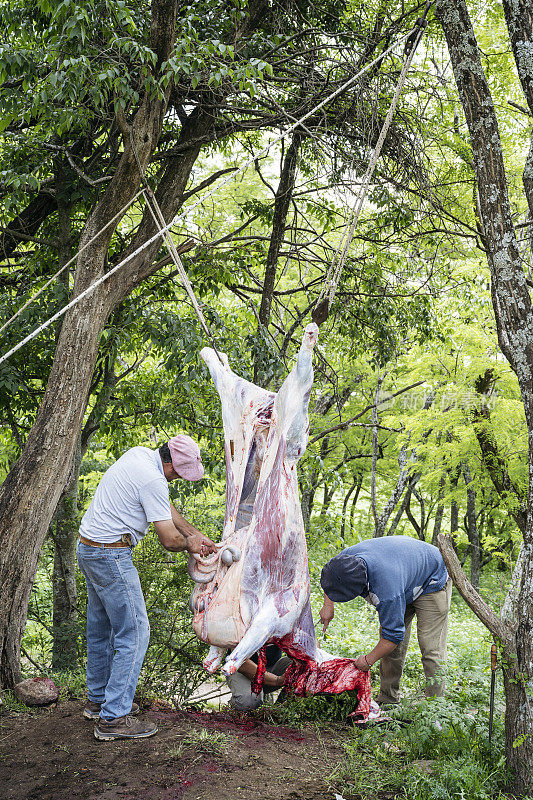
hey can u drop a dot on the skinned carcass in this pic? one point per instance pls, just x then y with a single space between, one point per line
256 588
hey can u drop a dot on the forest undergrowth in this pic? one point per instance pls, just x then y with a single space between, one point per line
434 749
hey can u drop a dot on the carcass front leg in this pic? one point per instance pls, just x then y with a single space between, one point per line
214 658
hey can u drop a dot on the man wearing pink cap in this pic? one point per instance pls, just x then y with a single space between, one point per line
131 494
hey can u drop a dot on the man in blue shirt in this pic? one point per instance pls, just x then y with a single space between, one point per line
131 494
403 578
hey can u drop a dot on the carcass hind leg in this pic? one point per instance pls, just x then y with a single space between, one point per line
264 627
214 658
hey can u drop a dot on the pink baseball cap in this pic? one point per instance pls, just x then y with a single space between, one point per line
186 458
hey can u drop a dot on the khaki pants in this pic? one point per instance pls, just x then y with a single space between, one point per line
431 612
242 698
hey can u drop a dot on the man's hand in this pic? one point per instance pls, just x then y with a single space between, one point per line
185 538
382 649
363 663
327 612
198 543
195 542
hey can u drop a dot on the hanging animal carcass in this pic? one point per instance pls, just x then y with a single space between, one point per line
256 588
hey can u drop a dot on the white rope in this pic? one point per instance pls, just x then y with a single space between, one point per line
339 259
192 208
79 297
157 216
63 268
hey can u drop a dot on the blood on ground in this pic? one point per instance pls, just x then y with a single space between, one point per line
238 724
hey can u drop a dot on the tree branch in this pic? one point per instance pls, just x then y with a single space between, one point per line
472 598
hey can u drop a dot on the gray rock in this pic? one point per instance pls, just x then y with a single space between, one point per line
36 691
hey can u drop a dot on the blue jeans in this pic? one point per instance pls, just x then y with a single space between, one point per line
118 630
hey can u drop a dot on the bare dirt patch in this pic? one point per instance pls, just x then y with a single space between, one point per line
52 755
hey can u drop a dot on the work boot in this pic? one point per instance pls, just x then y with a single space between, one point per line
124 728
92 710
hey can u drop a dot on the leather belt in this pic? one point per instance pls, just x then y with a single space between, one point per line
124 542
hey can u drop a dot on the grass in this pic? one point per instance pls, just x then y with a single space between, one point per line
437 749
211 743
12 705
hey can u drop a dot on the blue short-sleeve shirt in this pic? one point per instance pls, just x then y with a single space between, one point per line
398 569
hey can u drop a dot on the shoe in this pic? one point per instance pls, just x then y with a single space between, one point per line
92 710
124 728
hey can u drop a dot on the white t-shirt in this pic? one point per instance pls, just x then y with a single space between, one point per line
131 494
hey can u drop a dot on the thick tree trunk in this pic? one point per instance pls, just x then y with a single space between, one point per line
63 529
30 494
65 607
518 681
514 322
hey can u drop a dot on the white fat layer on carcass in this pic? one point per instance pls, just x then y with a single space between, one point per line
264 595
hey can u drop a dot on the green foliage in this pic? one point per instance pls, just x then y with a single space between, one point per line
413 303
298 711
12 705
438 755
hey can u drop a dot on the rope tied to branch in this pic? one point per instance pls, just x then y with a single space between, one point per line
327 295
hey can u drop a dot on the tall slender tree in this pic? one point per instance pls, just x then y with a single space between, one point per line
513 312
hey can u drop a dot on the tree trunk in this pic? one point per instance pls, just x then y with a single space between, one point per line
328 497
420 529
378 530
492 458
281 209
279 222
395 522
424 518
454 510
308 496
472 529
514 323
31 492
439 514
65 610
63 529
355 487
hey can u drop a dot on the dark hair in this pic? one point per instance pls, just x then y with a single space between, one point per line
164 452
